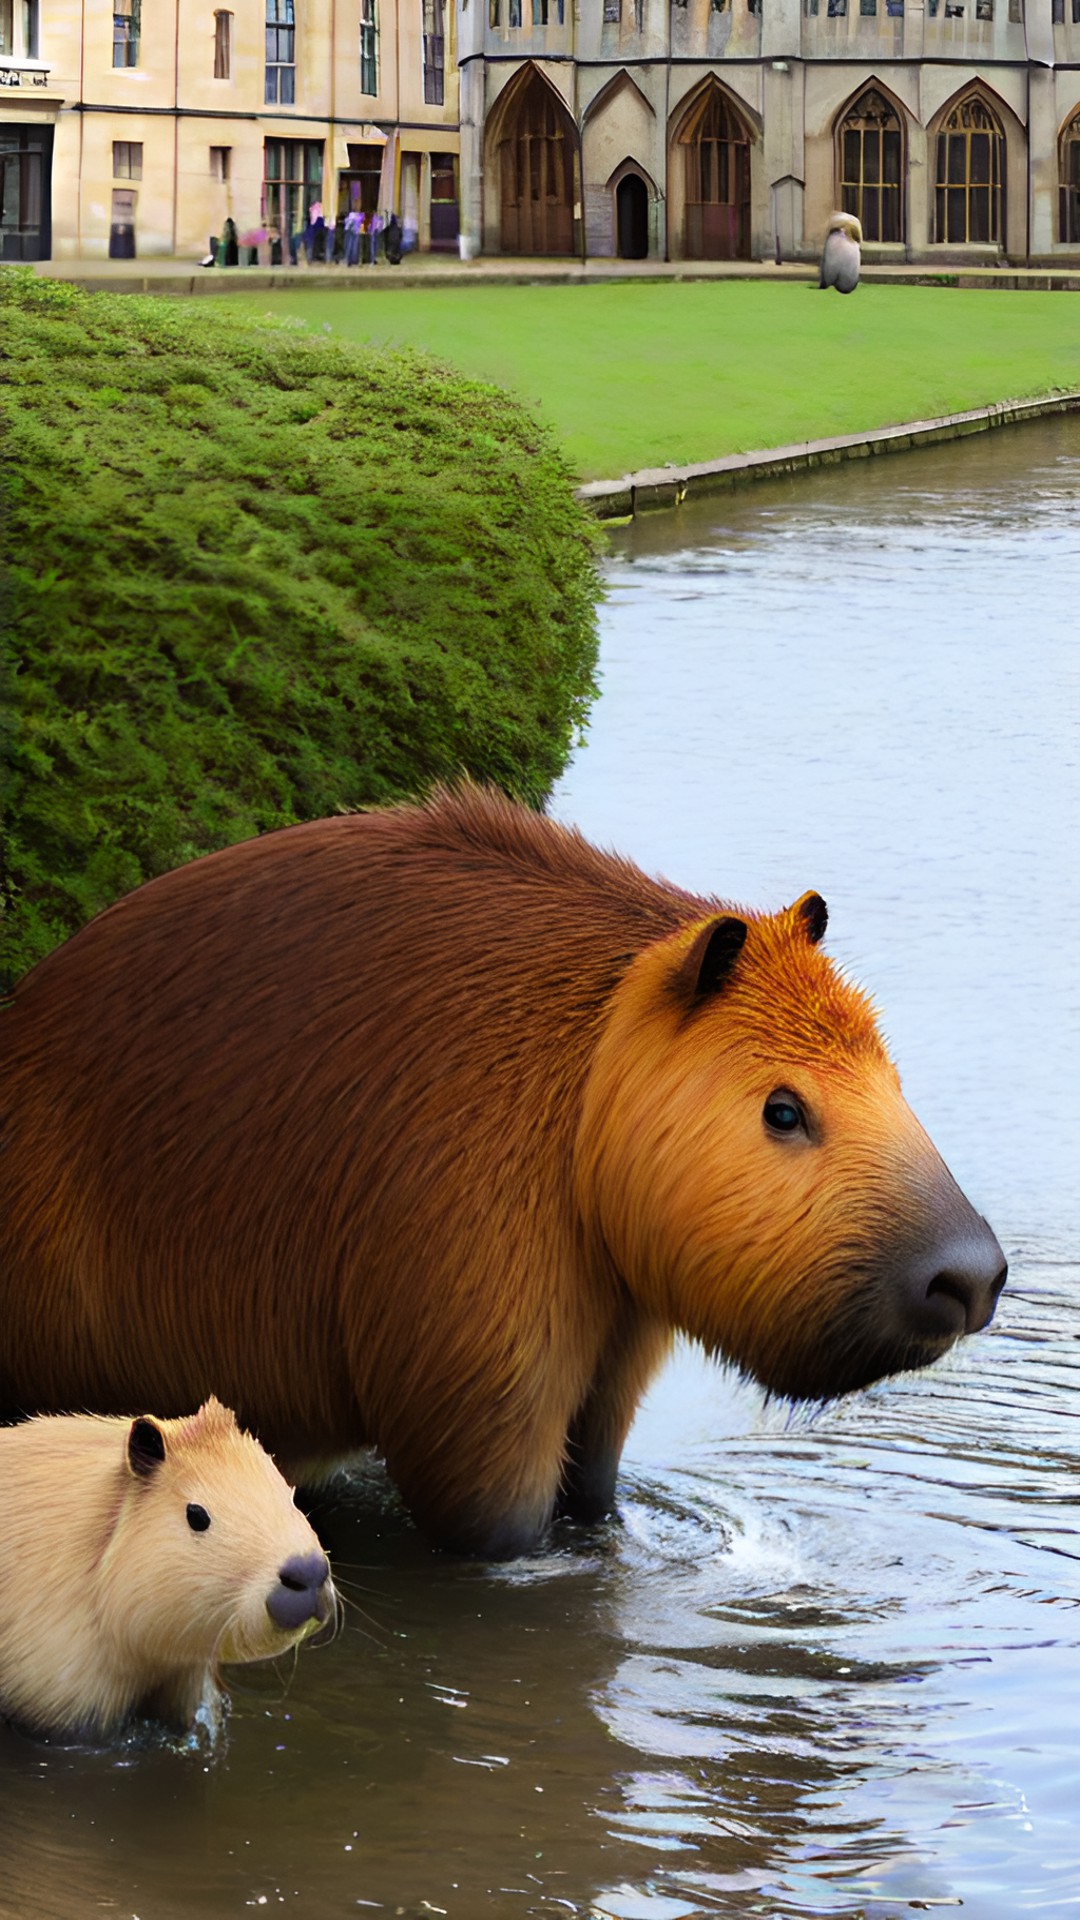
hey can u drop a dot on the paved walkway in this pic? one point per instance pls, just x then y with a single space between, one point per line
425 270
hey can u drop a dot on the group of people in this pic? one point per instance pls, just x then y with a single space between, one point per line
355 238
361 234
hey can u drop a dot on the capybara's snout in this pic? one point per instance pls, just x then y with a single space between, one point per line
303 1592
955 1286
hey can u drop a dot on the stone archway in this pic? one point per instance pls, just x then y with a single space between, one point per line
537 161
712 146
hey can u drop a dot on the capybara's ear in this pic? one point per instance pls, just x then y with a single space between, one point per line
813 914
709 960
146 1448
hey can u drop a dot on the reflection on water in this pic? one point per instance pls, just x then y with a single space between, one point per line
824 1666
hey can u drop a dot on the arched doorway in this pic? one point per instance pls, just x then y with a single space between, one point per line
870 165
632 217
969 199
536 173
716 160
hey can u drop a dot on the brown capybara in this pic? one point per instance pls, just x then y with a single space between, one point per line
427 1128
138 1556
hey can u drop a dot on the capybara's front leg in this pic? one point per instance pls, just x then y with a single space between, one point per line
486 1489
634 1353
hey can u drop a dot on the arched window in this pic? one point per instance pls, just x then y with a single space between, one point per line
716 145
870 145
1069 176
970 176
536 158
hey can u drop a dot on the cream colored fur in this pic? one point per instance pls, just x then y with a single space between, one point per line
113 1604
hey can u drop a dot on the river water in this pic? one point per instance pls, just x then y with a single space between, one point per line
821 1667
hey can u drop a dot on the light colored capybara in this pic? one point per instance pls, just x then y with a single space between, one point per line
840 256
139 1555
427 1128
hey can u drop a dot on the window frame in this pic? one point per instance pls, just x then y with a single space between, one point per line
127 159
127 33
279 88
369 46
223 21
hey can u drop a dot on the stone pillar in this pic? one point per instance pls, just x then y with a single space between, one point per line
1042 148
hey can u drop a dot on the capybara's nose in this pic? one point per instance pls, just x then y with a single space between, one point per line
300 1594
955 1287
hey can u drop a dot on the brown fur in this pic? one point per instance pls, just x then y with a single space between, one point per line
113 1605
416 1129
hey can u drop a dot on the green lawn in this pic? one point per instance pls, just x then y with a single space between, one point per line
634 375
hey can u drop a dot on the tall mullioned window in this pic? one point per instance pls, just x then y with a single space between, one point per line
970 176
870 141
126 23
434 71
280 88
369 47
1069 229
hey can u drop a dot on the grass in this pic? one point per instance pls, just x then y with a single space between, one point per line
639 374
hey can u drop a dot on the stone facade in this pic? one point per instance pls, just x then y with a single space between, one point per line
665 129
140 131
732 128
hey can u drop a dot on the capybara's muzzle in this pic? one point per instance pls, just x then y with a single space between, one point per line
303 1592
954 1288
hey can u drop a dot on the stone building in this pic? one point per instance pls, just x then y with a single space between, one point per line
730 129
681 129
140 127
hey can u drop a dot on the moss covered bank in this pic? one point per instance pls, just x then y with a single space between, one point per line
253 577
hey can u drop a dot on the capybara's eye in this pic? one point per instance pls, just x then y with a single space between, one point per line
782 1113
197 1518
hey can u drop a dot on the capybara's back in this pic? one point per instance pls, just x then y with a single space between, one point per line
139 1555
426 1128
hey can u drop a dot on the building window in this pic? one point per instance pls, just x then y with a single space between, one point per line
280 54
612 12
1057 12
1069 224
220 163
837 9
433 52
969 178
222 46
369 47
28 13
547 12
127 159
125 51
870 144
292 180
493 13
515 13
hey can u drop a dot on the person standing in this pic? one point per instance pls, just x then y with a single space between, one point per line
354 223
375 227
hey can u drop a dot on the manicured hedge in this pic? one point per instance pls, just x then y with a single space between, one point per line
252 578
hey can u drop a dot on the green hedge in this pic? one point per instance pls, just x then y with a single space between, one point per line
254 577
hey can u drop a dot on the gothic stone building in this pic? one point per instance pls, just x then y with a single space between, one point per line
727 129
681 129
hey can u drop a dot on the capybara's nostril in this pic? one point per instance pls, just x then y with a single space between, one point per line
299 1594
956 1289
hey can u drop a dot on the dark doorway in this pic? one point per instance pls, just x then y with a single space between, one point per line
26 193
122 225
444 203
537 174
632 217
